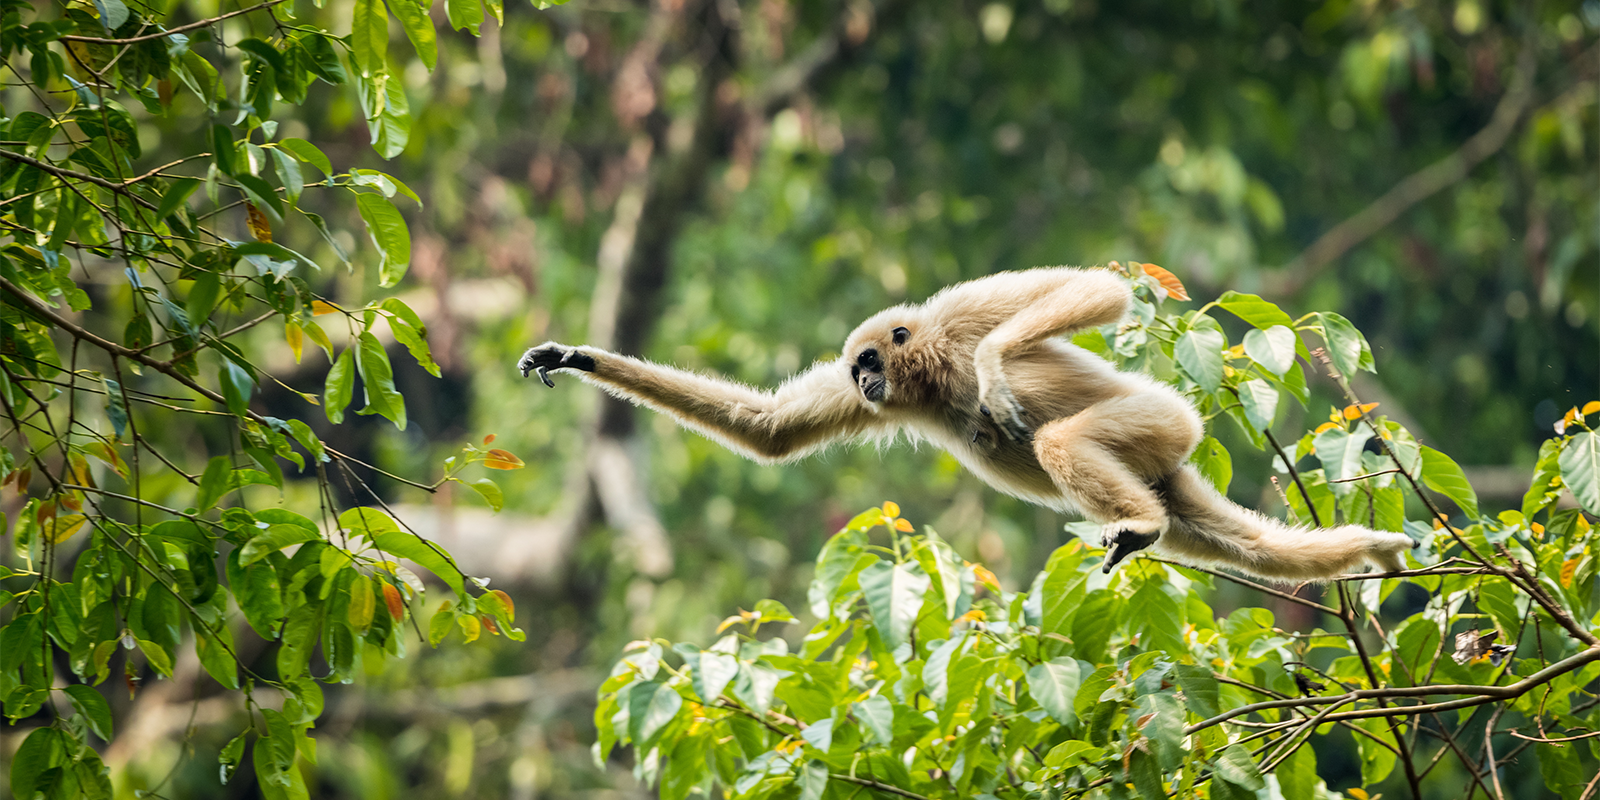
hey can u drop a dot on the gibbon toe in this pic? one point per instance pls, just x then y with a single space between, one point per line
1121 541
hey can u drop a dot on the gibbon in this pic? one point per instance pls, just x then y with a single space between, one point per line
981 370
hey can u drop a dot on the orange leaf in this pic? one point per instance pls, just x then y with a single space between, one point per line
1355 412
488 622
488 440
1327 426
500 459
1167 280
903 525
891 508
1538 529
1567 568
1591 407
391 598
320 307
260 226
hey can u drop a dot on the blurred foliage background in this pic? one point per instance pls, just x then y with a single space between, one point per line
731 185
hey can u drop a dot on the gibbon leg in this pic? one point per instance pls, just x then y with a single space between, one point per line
1105 459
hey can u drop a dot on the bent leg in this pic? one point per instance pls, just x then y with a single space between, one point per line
1106 459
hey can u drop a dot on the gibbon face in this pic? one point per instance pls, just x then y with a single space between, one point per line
877 364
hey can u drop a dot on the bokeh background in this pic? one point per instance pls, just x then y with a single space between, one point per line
731 185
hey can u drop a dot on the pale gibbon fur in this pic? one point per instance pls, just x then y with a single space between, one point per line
980 369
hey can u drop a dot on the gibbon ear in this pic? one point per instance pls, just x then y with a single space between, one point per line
901 335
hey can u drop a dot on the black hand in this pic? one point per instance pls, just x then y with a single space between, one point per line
550 356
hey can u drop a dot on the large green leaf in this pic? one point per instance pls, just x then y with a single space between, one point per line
1199 353
390 234
1340 453
1272 348
894 594
1254 310
1053 685
1580 469
1441 474
377 381
418 25
369 36
340 386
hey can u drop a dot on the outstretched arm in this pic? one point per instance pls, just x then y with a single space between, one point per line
807 412
1056 302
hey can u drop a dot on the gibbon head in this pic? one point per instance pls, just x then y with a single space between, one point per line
877 353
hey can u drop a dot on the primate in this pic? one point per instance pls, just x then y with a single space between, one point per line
981 370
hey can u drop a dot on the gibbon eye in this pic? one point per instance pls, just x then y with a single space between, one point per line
901 335
868 360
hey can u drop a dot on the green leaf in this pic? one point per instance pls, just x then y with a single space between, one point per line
1199 686
176 194
1199 353
1377 760
363 602
1272 348
1260 402
236 387
490 491
339 387
387 111
877 714
390 234
1580 469
1346 346
1340 453
407 545
258 594
377 381
813 780
203 297
369 36
1053 685
307 153
1444 476
1214 462
231 754
418 25
44 749
288 174
1254 310
273 539
1235 766
466 14
94 708
894 596
160 659
214 482
712 673
651 706
222 149
257 191
1297 775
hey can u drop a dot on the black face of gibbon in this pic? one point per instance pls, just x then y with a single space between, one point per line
867 372
868 375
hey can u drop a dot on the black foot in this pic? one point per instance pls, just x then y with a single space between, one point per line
1126 543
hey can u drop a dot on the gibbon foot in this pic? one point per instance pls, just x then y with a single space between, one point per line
1123 543
1002 406
550 356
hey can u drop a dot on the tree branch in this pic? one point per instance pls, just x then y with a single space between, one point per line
180 29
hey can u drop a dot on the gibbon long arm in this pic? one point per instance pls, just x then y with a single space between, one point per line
806 413
979 369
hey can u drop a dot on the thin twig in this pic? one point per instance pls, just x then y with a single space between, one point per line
163 34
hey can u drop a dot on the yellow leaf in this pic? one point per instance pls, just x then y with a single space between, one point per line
470 627
986 577
891 508
1567 568
362 603
1327 426
903 525
500 459
1236 351
1582 524
1358 794
320 307
1355 412
511 607
295 337
1537 529
975 615
107 454
1591 407
729 622
61 529
260 226
1167 280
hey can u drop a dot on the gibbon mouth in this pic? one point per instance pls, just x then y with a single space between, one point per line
874 387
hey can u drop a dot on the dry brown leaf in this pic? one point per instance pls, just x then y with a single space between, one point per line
1167 280
260 226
